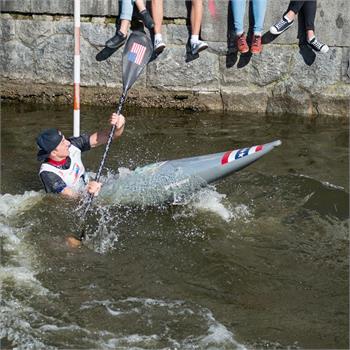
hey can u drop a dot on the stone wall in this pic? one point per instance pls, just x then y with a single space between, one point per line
37 60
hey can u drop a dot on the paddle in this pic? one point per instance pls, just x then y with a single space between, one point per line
137 53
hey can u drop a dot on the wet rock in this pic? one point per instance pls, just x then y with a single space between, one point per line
288 98
244 99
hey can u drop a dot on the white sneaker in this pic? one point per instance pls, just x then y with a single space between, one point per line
198 46
159 46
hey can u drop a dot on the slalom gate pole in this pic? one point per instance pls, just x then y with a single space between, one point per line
76 103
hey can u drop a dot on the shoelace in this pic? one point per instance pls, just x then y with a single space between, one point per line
241 40
281 23
256 40
316 44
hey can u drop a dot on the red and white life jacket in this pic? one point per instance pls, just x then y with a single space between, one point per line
74 175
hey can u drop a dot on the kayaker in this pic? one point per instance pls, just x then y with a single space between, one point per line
62 170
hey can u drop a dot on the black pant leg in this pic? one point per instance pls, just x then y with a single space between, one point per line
309 10
296 6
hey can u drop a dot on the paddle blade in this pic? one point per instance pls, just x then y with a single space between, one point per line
137 53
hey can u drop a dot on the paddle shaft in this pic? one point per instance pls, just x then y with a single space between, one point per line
103 160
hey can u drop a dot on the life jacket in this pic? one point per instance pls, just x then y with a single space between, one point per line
74 175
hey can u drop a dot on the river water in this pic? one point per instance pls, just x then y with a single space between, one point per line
260 260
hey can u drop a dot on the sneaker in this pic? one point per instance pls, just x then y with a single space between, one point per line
317 45
147 19
241 43
256 44
116 41
159 46
282 25
198 46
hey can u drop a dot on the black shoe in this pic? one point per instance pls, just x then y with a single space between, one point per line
116 41
282 25
317 45
147 19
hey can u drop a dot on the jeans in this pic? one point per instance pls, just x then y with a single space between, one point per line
127 9
238 9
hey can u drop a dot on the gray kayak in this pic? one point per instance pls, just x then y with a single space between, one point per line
173 180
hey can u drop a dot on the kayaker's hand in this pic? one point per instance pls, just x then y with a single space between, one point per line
118 120
94 187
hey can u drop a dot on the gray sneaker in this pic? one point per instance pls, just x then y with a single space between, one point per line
159 46
198 47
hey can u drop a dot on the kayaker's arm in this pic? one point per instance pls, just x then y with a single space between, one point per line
101 137
93 187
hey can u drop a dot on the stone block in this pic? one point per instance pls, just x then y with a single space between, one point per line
247 99
270 66
8 31
346 65
23 6
334 101
176 34
105 73
171 71
333 22
55 59
100 8
17 61
288 98
176 8
32 33
209 100
52 7
96 35
324 71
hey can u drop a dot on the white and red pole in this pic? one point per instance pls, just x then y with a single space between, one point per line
76 104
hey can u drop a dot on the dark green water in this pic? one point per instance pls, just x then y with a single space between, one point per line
258 261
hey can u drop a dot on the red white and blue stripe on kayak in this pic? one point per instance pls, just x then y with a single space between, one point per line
230 156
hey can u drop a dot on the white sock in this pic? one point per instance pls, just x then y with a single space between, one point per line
158 37
310 39
194 39
288 19
257 33
239 33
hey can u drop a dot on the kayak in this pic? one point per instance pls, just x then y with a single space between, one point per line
173 180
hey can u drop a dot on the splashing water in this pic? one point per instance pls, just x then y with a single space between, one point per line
150 186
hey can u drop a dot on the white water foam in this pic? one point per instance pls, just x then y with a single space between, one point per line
209 200
174 312
10 204
17 272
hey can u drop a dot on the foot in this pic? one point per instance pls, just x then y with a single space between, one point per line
73 242
159 46
197 47
317 45
116 41
282 25
241 43
256 44
147 19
